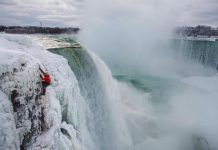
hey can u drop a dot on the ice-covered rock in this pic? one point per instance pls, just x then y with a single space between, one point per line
29 120
19 80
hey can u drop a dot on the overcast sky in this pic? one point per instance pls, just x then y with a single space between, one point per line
69 12
32 12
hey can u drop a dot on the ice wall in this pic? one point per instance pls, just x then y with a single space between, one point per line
30 120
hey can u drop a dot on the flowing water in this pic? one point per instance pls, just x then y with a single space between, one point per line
201 51
143 111
93 89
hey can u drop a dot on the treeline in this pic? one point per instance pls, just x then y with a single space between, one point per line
199 30
38 30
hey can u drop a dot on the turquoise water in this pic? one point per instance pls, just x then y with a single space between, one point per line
159 88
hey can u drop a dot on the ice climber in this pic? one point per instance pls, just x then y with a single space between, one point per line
46 80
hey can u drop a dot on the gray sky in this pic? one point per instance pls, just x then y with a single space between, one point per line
31 12
69 12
